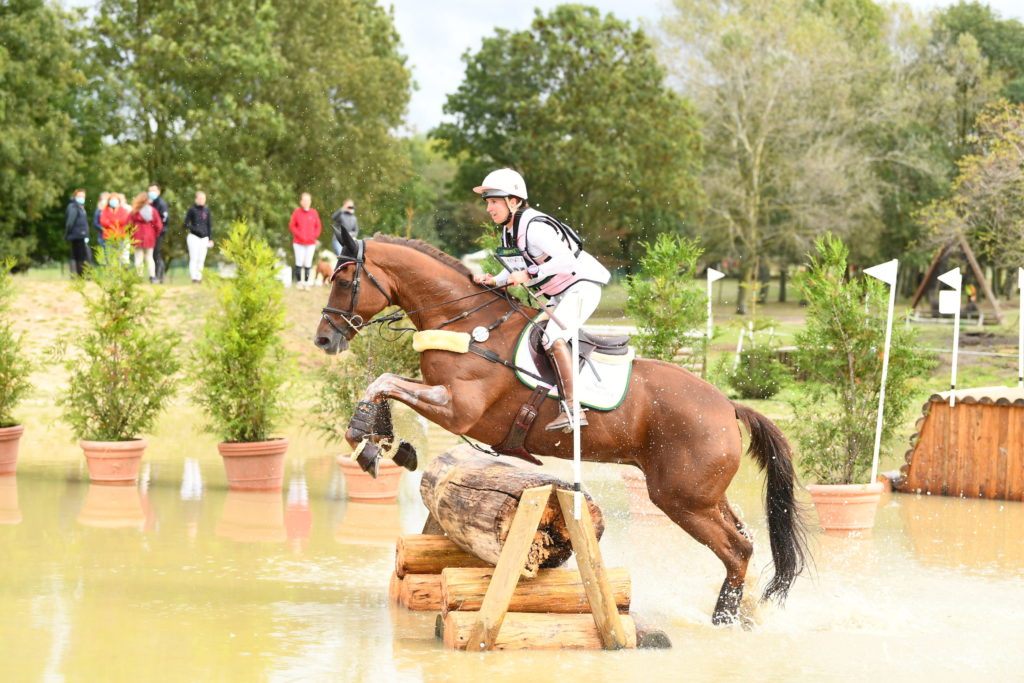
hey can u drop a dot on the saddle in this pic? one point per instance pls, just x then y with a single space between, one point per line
589 343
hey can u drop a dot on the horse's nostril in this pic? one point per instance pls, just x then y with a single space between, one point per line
322 342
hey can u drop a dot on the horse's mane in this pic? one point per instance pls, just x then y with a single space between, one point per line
428 249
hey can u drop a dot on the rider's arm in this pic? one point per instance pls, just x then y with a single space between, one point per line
543 239
501 279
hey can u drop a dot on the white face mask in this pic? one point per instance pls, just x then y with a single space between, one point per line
113 203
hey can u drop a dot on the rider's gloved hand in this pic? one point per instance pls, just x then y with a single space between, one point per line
485 279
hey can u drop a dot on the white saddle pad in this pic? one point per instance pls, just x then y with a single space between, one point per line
601 385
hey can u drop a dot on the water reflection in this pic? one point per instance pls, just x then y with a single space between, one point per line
252 517
10 511
113 507
298 516
378 524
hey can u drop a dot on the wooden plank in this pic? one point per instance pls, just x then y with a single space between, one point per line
595 578
1002 459
432 527
421 592
552 590
428 554
531 631
929 274
979 274
395 588
1015 455
510 565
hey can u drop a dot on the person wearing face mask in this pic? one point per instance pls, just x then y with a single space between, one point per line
148 226
160 205
547 256
199 225
100 205
344 219
76 231
305 228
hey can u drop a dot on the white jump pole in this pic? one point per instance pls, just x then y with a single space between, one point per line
887 273
577 464
949 302
1020 334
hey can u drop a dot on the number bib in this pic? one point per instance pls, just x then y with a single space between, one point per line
510 258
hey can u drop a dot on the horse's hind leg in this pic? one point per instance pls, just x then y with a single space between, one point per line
717 527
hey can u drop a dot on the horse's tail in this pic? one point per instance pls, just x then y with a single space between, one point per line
786 529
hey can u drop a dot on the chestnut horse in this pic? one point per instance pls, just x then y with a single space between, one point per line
679 430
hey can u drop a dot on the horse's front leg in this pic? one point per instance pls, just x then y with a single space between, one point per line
434 402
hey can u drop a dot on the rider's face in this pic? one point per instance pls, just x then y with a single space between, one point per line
498 209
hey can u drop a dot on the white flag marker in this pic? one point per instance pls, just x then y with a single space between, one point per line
886 272
577 468
1020 334
713 276
949 302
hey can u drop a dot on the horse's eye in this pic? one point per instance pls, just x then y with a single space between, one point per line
344 283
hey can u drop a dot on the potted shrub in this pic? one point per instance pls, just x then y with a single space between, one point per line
14 371
344 381
840 353
240 365
759 374
125 373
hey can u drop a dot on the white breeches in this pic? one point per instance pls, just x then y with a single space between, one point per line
304 254
572 308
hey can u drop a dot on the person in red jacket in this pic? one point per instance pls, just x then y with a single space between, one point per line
148 226
305 229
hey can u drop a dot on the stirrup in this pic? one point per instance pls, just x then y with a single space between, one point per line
564 421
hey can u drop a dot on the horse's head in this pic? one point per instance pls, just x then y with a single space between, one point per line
357 294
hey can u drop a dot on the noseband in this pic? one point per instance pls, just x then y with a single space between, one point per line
352 320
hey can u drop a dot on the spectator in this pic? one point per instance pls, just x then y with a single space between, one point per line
344 219
200 236
114 219
161 208
100 205
148 226
76 231
305 228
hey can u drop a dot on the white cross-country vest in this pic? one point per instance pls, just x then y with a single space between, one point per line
516 237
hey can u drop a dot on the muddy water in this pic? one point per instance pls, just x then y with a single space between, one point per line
178 579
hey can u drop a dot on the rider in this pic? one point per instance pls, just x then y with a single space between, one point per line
545 255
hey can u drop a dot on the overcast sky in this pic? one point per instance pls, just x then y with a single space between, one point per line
435 35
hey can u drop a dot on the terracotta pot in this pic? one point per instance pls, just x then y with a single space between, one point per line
112 507
113 462
254 466
845 508
640 505
362 487
10 511
10 438
252 517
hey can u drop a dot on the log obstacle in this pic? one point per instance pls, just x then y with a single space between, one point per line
487 506
974 449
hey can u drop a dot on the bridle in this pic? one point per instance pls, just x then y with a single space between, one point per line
353 320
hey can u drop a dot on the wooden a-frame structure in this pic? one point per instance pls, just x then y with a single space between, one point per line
932 273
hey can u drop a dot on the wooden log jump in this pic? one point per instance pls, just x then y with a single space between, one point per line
493 510
974 449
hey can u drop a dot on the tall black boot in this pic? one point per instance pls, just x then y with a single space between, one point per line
296 273
305 276
561 361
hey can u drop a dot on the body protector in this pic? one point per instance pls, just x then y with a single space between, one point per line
549 250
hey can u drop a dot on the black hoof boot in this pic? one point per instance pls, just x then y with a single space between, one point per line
363 420
369 458
405 456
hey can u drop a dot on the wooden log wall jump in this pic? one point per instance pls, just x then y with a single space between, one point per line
974 449
474 498
495 607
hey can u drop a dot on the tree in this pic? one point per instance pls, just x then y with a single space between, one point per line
249 102
578 104
785 98
1000 41
987 200
38 151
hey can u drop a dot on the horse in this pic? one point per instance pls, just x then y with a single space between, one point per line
681 431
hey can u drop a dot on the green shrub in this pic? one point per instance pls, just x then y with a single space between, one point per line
240 363
14 365
759 373
345 380
667 303
840 353
129 368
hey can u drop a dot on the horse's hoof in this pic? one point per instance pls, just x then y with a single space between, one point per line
362 420
369 458
405 456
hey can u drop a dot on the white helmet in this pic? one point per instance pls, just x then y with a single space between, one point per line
502 183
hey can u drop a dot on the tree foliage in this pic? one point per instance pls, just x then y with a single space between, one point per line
128 369
38 151
578 104
666 300
14 364
840 354
240 365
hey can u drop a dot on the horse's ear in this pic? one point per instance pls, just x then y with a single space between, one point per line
348 245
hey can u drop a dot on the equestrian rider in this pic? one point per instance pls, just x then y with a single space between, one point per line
545 255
